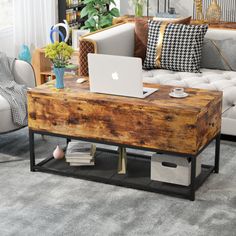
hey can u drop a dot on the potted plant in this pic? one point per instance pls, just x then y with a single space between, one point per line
98 13
59 54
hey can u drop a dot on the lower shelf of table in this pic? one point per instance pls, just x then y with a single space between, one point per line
105 171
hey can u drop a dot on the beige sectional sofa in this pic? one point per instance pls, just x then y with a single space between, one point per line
119 40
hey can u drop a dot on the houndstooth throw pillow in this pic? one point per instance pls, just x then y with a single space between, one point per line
179 46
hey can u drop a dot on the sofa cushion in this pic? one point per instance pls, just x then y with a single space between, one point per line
209 79
141 37
115 40
141 33
6 123
219 54
174 47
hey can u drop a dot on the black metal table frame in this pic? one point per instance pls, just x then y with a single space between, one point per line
192 187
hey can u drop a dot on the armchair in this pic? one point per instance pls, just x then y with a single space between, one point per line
23 74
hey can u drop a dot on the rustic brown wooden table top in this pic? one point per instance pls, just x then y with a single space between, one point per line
198 98
156 122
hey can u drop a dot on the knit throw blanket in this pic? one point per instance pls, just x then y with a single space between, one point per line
14 93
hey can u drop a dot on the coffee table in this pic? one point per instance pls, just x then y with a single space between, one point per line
179 127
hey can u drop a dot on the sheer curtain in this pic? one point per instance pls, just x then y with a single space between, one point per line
32 22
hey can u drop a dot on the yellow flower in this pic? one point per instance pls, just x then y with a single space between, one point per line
59 53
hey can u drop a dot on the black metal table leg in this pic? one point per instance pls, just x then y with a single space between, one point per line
217 154
193 178
68 140
32 154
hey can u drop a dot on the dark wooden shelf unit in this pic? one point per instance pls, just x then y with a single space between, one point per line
71 14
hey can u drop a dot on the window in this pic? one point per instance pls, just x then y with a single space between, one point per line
6 15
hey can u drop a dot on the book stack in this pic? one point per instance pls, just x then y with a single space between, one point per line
80 153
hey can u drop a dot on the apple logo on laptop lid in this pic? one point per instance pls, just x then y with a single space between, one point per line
115 76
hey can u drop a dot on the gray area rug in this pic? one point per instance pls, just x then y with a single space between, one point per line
44 204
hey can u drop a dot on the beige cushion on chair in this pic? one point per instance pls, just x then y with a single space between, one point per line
24 73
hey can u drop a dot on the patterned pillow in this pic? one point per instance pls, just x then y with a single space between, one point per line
141 32
174 46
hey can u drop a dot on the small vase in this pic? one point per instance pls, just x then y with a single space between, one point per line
58 153
59 73
213 13
24 53
138 10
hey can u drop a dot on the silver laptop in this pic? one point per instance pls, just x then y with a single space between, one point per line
117 75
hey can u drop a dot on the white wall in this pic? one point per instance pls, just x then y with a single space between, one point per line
183 7
118 3
6 41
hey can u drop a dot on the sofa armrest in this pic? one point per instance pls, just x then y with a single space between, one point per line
116 40
24 73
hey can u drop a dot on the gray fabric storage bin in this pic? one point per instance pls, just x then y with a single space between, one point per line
171 169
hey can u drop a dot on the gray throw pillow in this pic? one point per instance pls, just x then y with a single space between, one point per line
6 68
219 54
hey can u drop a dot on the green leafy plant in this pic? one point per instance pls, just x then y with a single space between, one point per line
98 13
59 53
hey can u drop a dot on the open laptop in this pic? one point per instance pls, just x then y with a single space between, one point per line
117 75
